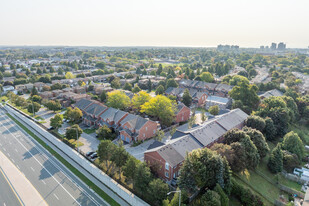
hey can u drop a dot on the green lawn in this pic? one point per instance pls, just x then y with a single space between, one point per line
89 131
68 165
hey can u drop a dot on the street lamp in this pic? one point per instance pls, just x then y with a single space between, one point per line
179 191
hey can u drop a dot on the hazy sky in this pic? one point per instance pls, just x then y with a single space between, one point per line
247 23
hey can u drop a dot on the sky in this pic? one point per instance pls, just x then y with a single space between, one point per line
197 23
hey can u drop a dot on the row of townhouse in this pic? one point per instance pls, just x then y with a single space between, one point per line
167 159
221 90
198 98
130 127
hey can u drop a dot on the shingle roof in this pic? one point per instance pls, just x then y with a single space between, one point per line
217 99
136 122
95 109
232 119
274 92
83 103
175 151
109 114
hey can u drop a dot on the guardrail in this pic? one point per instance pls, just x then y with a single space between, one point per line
118 189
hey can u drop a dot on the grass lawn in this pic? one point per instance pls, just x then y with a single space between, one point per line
268 191
89 131
91 185
302 130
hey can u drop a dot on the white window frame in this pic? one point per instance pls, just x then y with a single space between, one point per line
167 166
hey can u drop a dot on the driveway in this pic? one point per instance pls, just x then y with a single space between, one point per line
138 151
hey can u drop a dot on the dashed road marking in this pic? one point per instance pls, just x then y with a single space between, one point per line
32 169
56 196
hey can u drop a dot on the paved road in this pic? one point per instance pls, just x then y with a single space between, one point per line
52 180
7 195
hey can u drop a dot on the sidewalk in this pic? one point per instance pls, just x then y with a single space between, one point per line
25 190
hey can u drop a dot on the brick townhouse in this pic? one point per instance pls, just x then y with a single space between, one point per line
167 159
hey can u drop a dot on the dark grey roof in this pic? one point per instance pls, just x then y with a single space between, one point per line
274 92
232 119
175 151
119 114
155 144
83 103
109 114
136 122
95 109
224 87
208 133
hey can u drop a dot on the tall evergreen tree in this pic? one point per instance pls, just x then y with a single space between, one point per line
187 98
275 162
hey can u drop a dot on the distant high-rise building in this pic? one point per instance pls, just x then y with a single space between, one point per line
227 47
273 46
281 46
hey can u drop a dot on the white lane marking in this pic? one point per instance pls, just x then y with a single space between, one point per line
32 169
42 166
56 196
16 150
13 161
0 144
44 154
4 149
44 182
4 204
10 142
9 155
17 167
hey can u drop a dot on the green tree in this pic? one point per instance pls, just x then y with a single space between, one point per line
159 135
161 107
186 98
157 191
256 122
34 91
33 107
73 132
204 168
214 110
270 129
207 77
141 179
118 100
246 94
105 152
160 69
105 132
293 143
53 105
160 90
103 96
136 89
115 83
129 168
127 86
275 162
149 84
171 83
36 98
258 139
56 121
237 80
119 157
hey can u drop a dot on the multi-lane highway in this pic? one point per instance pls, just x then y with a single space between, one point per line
55 183
7 194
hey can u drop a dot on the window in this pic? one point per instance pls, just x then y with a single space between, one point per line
182 118
167 166
144 135
166 174
146 128
154 131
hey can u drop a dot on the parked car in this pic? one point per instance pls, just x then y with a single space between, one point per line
50 128
93 155
89 153
174 182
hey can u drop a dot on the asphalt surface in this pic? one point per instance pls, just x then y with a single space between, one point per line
55 183
7 195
